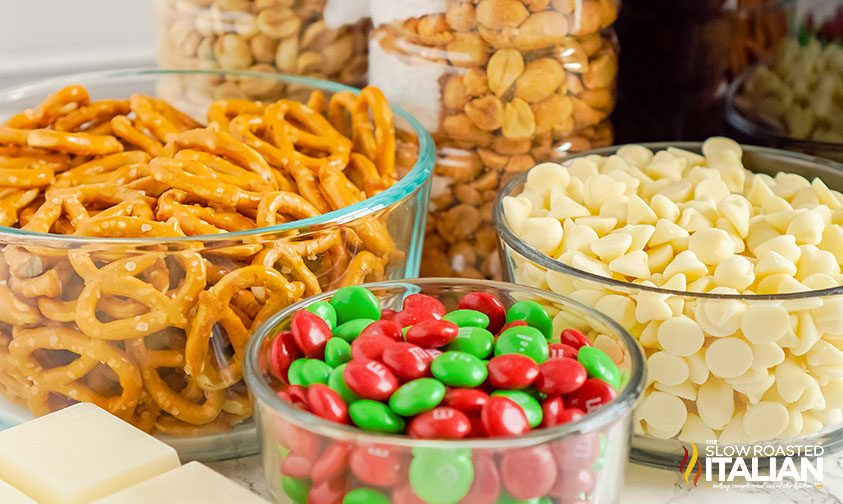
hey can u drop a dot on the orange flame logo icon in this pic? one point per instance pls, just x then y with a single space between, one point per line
686 468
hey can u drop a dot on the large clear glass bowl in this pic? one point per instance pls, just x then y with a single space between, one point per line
526 265
584 459
54 363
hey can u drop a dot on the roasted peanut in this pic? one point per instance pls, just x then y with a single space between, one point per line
505 67
461 16
540 79
541 30
476 82
232 52
467 50
518 120
486 112
454 93
500 14
551 111
460 127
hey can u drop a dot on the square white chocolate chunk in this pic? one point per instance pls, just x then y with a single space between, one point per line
191 482
79 454
11 495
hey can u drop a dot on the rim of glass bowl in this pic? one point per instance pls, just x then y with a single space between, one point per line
530 253
624 402
761 132
414 179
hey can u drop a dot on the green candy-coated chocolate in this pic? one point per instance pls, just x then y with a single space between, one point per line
337 384
534 314
296 488
417 396
524 340
314 371
355 302
599 365
337 352
508 499
468 318
474 340
375 416
365 496
294 372
459 369
441 479
350 330
528 403
325 311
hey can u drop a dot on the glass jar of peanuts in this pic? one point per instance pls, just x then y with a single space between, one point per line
723 260
317 38
502 84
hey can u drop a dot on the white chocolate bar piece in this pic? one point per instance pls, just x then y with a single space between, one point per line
79 454
191 482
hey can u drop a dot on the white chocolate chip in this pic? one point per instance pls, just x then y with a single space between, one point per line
711 246
735 272
667 368
612 246
664 412
765 420
696 431
634 264
517 209
715 403
764 323
543 233
543 177
687 263
728 357
681 336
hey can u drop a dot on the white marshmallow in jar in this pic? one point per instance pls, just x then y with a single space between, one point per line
723 261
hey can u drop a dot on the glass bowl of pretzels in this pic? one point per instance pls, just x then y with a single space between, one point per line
151 220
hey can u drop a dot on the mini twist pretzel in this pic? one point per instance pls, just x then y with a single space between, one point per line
150 115
375 142
222 111
81 144
118 279
195 178
285 202
73 202
322 136
94 113
66 380
58 161
192 405
13 201
123 128
226 171
85 173
284 254
199 220
60 103
214 307
364 267
223 144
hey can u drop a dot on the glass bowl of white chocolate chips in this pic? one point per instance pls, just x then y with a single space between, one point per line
722 260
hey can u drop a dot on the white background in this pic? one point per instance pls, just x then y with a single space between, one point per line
48 37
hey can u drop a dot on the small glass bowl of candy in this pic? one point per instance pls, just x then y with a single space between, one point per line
443 391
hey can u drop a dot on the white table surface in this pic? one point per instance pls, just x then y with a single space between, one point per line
643 486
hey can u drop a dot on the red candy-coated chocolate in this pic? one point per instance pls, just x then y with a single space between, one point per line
332 463
369 347
555 413
369 379
469 401
385 328
298 440
580 451
528 473
327 492
440 423
514 323
560 350
591 395
424 303
404 494
560 376
512 371
406 318
388 314
407 361
375 465
326 403
486 487
478 430
574 338
282 352
296 466
310 333
488 304
432 333
503 417
434 353
571 483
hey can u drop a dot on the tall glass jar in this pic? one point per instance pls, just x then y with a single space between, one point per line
679 57
502 85
316 38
